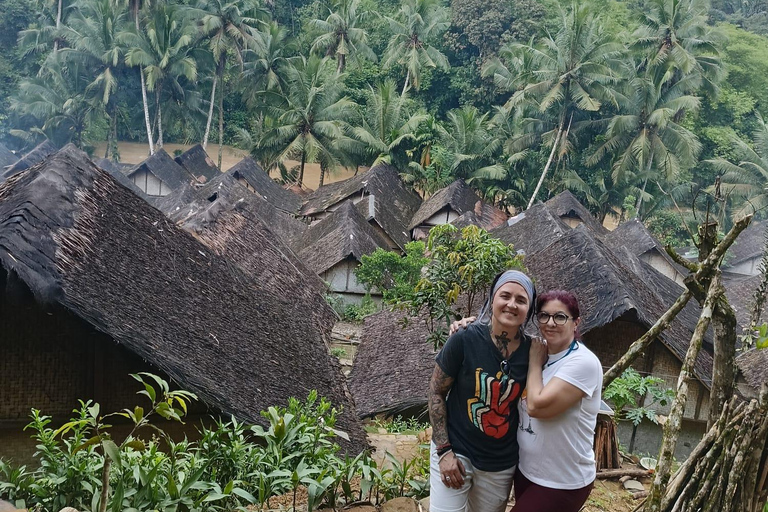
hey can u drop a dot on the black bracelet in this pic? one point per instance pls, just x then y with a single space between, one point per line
444 448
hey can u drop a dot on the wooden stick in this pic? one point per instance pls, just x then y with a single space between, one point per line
618 473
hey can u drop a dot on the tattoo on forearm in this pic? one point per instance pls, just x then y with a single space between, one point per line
439 385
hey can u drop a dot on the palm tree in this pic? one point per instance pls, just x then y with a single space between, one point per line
384 129
309 117
135 8
646 138
341 36
94 33
677 41
472 146
229 25
164 54
568 76
38 38
264 62
746 180
417 23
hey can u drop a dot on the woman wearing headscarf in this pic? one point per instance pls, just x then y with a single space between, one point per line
478 378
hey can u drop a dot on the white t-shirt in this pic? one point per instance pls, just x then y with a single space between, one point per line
557 452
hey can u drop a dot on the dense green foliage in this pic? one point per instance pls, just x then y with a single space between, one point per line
522 99
232 464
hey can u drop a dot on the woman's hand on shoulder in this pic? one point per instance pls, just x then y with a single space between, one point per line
460 324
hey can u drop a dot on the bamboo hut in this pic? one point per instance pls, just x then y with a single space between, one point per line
573 213
744 255
636 238
250 175
390 207
37 155
197 163
7 158
332 248
455 203
532 230
95 283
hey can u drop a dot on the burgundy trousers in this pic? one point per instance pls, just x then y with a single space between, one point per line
531 497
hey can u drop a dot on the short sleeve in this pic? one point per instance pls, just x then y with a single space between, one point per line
451 356
583 371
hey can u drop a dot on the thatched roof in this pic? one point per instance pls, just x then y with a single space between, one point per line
611 283
394 203
754 367
247 169
7 157
532 230
459 197
193 206
748 245
80 240
565 204
741 292
165 168
197 163
484 215
40 153
343 234
633 235
392 366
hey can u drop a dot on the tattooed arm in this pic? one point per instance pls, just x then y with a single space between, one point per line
439 385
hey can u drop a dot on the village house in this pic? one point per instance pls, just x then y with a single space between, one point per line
573 213
197 163
391 204
455 204
333 246
744 256
37 155
7 158
96 284
636 238
159 175
250 175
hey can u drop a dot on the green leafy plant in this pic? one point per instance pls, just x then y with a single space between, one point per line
338 352
626 392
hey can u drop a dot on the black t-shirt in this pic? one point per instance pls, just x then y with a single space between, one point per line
482 403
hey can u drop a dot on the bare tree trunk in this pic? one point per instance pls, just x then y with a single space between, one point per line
58 25
301 169
549 162
322 175
159 124
222 68
105 484
143 85
724 367
645 340
405 85
210 111
342 63
674 420
639 203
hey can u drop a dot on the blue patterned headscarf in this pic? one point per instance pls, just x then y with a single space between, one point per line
510 276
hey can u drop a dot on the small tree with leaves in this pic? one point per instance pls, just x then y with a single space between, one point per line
393 275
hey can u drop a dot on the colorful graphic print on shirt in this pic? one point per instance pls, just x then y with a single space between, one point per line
489 410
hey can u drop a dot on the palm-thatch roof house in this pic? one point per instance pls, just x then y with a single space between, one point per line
333 247
740 291
159 175
391 204
193 206
117 171
745 254
7 157
197 163
532 230
455 203
572 212
620 296
250 175
636 238
38 154
753 371
95 283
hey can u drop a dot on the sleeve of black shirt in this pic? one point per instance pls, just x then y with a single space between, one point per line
451 357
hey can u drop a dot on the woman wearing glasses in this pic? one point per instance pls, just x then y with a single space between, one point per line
558 412
478 379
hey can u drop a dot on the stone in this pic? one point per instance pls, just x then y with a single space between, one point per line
633 485
424 504
400 505
361 508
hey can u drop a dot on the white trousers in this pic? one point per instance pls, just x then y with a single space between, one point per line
483 491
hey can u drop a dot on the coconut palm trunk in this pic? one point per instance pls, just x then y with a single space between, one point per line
645 184
210 111
145 102
322 175
549 162
58 24
301 168
221 110
405 85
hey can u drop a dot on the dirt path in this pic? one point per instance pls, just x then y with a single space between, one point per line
134 152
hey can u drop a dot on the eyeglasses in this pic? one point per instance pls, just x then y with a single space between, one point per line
559 318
